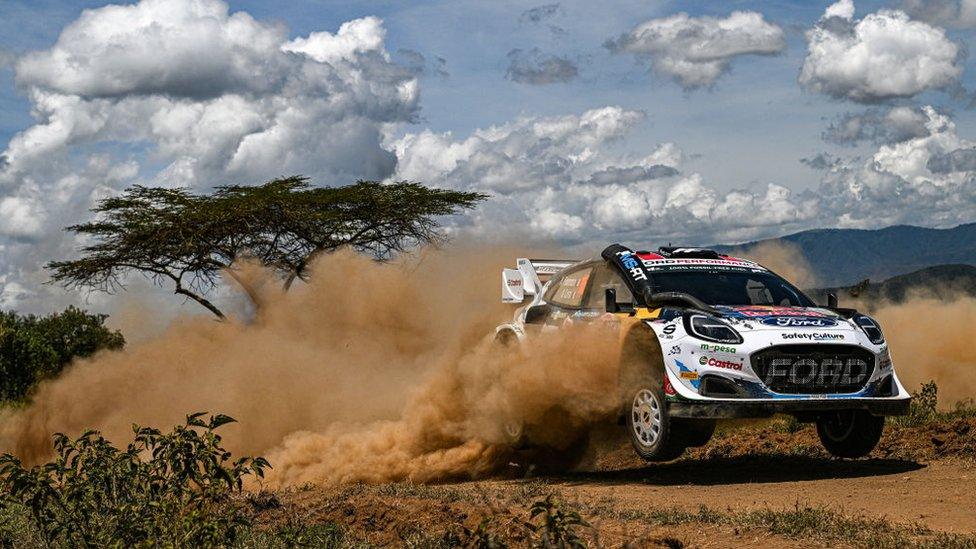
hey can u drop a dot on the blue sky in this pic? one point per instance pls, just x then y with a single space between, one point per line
754 126
586 122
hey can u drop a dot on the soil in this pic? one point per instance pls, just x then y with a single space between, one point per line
917 477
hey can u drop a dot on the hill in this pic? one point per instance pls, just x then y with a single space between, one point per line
941 281
842 257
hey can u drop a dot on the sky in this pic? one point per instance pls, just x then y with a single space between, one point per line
638 121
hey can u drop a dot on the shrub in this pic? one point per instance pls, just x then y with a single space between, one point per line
556 526
171 489
924 406
36 348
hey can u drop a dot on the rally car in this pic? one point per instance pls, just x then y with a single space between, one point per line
707 336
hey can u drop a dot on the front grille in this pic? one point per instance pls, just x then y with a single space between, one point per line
814 369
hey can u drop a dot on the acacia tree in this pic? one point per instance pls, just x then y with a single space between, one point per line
176 237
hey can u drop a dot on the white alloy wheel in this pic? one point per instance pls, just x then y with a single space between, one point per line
646 417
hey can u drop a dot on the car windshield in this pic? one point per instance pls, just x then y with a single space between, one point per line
731 287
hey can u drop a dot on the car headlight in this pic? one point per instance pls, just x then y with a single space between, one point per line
710 328
871 328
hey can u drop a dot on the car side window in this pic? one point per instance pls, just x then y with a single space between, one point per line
605 277
568 291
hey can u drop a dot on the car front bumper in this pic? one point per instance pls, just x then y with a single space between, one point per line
732 408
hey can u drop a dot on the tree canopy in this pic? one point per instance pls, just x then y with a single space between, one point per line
36 348
175 236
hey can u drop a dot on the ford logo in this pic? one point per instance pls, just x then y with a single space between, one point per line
799 322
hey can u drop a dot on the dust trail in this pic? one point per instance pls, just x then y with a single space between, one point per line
370 372
786 259
932 339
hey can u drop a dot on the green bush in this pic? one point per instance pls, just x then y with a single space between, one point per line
556 526
36 348
924 407
171 490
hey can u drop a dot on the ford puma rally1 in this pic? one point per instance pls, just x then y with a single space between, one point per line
707 336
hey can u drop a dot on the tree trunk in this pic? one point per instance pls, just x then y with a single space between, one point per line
202 301
255 299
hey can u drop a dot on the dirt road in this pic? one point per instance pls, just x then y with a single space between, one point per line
757 501
940 494
759 486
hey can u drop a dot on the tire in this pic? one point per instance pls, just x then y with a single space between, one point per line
649 426
850 433
547 460
512 429
693 432
513 432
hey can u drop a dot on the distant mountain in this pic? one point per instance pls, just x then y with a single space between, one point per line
941 281
843 257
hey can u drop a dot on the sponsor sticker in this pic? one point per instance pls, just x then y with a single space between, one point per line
717 363
632 265
717 348
689 375
799 322
768 311
813 336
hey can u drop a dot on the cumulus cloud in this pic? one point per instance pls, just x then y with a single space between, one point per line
184 92
945 13
533 67
959 160
877 126
696 51
919 180
559 177
883 56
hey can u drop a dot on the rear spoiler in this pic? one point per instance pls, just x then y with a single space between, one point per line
529 277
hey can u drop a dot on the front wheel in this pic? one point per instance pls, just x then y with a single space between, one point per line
649 425
850 433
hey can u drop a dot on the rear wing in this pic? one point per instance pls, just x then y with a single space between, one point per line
529 277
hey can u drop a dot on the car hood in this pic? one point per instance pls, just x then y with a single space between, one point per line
779 317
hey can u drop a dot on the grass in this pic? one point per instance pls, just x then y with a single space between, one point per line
804 523
420 491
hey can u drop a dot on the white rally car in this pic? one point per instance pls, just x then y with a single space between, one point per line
706 336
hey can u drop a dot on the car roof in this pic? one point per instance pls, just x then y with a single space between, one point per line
670 257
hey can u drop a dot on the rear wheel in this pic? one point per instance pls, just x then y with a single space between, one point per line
850 433
513 431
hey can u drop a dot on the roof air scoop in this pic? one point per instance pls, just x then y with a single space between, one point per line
688 253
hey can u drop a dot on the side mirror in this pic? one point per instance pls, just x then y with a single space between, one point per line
610 300
831 300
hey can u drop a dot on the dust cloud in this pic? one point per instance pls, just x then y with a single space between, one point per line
932 339
386 371
371 372
785 259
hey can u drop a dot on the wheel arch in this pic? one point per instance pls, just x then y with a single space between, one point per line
508 334
640 356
